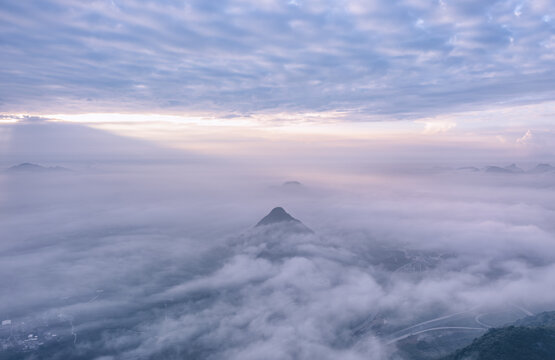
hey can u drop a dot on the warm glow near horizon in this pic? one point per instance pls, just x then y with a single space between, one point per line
508 128
499 127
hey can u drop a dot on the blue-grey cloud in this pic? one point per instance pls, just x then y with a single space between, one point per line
397 58
157 261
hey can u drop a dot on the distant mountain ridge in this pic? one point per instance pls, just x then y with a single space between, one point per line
511 169
540 168
34 168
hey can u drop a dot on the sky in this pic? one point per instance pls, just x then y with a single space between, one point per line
472 68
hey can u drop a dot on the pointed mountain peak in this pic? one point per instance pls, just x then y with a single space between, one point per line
277 215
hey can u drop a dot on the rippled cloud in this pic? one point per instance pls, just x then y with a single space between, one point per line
395 59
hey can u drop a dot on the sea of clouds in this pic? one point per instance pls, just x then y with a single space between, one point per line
151 259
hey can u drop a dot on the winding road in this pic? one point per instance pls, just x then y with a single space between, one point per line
434 329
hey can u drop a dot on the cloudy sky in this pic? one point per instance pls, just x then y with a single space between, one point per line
445 64
235 57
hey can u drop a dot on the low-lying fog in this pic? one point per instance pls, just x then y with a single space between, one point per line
154 259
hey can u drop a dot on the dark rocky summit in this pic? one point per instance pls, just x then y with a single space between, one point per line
277 215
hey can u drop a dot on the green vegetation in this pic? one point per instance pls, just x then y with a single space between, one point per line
532 338
545 319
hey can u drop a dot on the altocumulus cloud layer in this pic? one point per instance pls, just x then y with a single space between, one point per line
149 260
396 58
